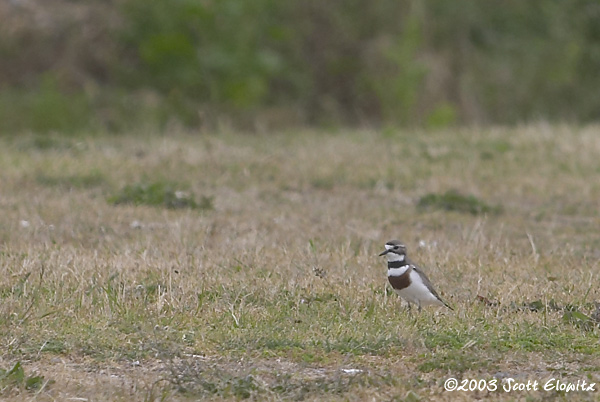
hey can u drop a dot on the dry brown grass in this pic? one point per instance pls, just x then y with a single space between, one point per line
275 291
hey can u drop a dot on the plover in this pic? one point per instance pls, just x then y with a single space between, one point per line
407 279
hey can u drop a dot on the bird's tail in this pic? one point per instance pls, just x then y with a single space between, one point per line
444 303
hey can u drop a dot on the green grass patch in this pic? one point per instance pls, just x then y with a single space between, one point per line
160 194
579 319
94 178
452 200
15 377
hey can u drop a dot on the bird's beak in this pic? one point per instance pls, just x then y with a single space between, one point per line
384 253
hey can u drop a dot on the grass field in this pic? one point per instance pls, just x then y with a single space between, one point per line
236 266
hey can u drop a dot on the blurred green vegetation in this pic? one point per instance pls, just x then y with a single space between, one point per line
44 108
268 63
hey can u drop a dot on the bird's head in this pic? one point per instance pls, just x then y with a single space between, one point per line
395 250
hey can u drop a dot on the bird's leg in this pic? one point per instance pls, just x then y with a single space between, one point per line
419 307
409 308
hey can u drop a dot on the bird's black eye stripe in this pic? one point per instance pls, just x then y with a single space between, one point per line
395 247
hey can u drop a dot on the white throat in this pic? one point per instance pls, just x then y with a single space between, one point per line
393 257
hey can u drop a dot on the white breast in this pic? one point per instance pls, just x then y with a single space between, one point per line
417 292
398 271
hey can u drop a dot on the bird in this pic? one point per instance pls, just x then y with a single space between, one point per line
407 279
